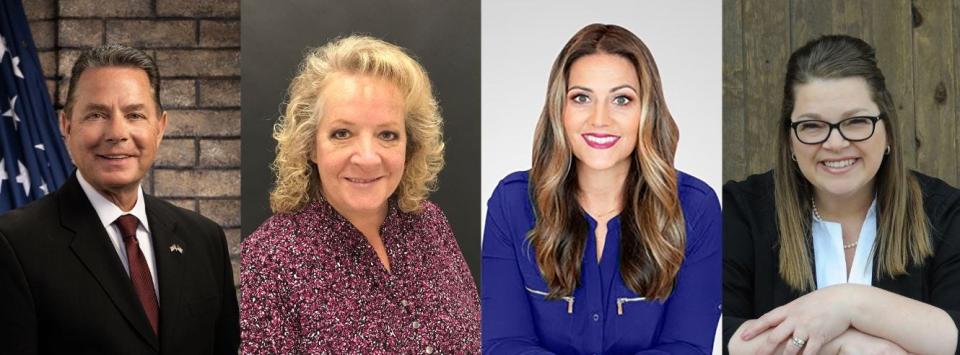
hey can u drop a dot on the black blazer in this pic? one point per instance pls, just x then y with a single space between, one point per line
751 279
63 288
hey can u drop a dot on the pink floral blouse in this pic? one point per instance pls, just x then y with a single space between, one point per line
311 283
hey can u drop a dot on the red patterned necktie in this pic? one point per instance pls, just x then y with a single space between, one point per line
139 272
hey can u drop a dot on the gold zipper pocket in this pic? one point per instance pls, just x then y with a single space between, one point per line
569 299
622 300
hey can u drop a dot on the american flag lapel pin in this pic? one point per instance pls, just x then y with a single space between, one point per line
176 248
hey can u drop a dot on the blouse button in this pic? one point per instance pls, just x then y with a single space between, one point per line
428 350
415 325
596 317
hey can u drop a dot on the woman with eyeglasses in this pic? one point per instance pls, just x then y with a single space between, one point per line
840 249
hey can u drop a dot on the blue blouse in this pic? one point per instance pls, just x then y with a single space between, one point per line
603 315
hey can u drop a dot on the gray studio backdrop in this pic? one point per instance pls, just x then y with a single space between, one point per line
443 35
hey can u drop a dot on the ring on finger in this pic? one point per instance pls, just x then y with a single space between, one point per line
797 342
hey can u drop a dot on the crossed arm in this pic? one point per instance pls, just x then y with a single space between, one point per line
849 318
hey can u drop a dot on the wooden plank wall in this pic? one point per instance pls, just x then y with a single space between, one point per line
918 48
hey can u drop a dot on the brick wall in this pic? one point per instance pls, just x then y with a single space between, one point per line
197 46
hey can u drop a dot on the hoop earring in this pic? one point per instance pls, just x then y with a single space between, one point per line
887 151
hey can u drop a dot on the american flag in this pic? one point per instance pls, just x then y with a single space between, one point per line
33 159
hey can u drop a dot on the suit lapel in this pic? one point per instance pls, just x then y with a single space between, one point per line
169 250
93 247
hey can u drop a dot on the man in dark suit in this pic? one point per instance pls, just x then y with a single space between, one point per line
99 267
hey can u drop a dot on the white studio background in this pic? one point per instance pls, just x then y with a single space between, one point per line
521 39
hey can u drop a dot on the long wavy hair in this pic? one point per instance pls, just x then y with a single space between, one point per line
902 228
297 178
652 224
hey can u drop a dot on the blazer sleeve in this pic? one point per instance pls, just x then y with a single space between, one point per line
228 325
506 318
693 309
945 269
266 326
738 266
18 320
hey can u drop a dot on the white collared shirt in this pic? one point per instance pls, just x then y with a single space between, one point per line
109 212
829 258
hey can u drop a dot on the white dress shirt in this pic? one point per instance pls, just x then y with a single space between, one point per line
829 258
109 212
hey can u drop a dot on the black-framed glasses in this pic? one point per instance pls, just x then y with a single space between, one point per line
853 129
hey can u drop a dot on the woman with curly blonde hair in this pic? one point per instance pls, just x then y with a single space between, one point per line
603 246
355 257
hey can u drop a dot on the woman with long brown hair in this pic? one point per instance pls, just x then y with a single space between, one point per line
840 248
603 246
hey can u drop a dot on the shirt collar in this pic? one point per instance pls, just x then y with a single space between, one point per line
108 211
828 251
